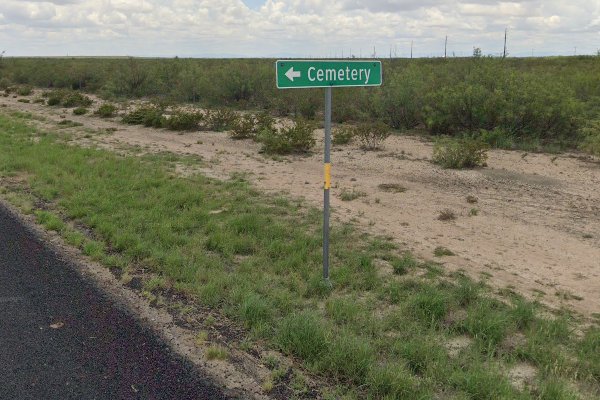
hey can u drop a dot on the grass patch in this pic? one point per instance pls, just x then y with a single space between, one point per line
404 264
349 195
441 251
67 123
391 187
258 262
217 352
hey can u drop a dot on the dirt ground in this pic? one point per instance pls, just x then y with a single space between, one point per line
537 225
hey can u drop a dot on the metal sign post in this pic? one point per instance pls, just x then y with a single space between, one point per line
327 185
298 74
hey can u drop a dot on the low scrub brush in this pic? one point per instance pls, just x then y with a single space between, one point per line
218 120
182 121
145 115
106 110
372 135
248 126
297 138
460 153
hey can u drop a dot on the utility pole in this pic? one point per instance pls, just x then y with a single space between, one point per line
411 48
446 47
505 33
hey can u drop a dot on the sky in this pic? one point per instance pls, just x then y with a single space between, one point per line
297 28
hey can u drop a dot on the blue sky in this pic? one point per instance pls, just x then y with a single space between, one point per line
254 4
297 28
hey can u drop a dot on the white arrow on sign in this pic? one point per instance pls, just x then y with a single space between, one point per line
291 74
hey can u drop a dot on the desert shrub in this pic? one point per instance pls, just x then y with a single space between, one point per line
68 98
54 99
244 127
248 126
23 100
4 83
372 135
106 110
24 90
459 153
591 137
145 115
463 106
402 99
80 111
218 120
76 99
297 138
343 134
497 138
489 96
182 121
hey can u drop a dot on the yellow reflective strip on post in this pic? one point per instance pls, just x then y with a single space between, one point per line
327 175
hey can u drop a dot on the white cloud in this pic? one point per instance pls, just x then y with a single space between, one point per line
294 27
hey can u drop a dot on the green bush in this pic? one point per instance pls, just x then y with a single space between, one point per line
76 99
343 134
182 121
591 137
248 126
219 120
4 83
68 98
459 153
297 138
372 135
80 111
150 116
402 98
245 127
106 110
24 90
527 105
54 100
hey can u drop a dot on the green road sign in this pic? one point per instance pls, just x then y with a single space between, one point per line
293 74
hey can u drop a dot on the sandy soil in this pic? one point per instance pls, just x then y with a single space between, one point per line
537 228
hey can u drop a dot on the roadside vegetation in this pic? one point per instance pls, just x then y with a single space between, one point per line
534 104
389 326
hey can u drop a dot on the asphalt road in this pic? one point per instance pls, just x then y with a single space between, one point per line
60 338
